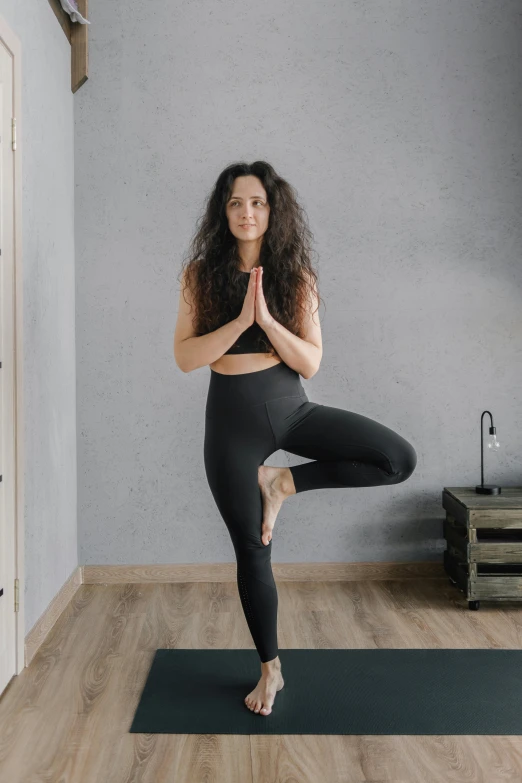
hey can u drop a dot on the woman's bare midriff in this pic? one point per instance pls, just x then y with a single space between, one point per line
236 364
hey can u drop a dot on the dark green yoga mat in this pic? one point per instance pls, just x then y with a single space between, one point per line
335 692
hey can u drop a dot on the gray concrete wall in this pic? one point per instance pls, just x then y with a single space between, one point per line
46 134
400 126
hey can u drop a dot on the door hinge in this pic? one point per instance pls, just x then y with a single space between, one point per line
13 132
17 594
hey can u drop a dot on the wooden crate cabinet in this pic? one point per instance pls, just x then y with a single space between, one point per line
483 534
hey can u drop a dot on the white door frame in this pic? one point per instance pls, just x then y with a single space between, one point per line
12 457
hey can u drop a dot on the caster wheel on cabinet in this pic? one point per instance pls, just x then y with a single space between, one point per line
474 604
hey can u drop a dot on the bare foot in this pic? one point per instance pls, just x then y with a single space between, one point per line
276 484
262 697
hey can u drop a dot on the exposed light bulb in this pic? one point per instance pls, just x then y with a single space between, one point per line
492 443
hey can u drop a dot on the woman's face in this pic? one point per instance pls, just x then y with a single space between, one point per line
248 205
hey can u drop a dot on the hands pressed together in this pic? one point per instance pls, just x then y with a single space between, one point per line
254 306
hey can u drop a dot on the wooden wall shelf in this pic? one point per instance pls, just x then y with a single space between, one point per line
78 36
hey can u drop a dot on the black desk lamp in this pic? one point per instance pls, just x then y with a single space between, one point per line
487 489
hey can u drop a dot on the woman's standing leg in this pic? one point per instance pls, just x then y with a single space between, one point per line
234 448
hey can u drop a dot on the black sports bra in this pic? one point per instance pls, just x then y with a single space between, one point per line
248 340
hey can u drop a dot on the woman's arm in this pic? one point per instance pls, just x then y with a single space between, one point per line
193 351
302 354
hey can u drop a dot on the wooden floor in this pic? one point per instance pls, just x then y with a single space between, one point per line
67 716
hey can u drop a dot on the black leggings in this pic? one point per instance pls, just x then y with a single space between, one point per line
248 417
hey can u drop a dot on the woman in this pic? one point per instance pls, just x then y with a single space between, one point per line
250 314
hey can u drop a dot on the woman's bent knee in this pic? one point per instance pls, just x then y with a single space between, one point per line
406 465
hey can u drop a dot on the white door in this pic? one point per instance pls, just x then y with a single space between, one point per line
8 624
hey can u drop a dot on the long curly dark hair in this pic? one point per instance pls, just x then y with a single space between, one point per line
212 268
